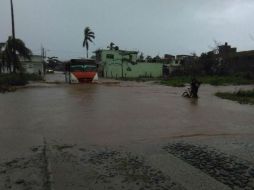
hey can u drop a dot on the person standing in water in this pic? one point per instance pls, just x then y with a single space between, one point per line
194 88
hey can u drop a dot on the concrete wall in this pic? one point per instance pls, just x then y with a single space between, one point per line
129 70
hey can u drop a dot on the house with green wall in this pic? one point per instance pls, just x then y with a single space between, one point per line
115 63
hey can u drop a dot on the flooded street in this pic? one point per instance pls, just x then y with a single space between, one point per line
133 116
123 113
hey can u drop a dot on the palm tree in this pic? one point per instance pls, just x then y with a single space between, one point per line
111 45
16 45
88 37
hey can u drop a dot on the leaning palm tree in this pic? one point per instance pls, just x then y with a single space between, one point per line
88 37
22 51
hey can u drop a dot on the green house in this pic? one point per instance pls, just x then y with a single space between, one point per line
116 63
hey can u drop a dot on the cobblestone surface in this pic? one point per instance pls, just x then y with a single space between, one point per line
230 170
131 169
113 169
90 169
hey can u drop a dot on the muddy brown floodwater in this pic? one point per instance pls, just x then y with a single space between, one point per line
125 113
136 116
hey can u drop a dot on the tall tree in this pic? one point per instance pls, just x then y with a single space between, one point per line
88 37
149 58
18 46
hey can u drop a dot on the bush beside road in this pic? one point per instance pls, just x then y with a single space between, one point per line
241 96
9 81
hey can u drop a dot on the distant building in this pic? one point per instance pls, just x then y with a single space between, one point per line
226 49
116 63
180 58
240 61
33 66
234 61
2 45
168 59
175 64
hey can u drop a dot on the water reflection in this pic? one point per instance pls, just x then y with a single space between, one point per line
194 101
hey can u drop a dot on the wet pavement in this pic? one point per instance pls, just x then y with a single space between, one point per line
132 122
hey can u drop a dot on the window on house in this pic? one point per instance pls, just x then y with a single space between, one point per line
110 56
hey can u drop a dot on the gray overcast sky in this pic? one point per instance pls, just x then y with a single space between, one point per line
150 26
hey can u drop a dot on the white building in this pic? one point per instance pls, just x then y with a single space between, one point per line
33 66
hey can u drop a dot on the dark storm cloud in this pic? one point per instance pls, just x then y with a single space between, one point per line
151 26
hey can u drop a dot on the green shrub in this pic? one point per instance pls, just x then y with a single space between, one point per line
241 96
13 79
17 79
246 93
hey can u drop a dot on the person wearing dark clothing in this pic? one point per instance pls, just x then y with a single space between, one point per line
194 88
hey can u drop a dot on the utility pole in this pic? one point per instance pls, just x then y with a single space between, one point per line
43 55
122 67
13 38
12 21
42 52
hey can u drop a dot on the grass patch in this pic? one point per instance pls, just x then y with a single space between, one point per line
180 81
241 96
